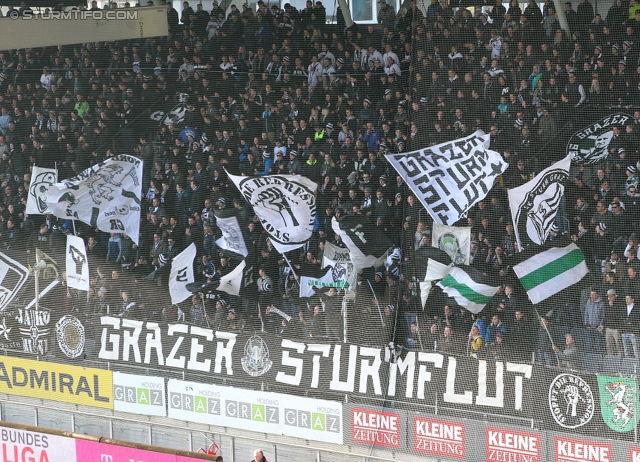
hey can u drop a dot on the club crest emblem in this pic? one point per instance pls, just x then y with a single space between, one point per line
255 361
618 398
571 401
70 334
590 145
451 245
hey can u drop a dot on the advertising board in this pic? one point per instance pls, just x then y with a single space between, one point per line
307 418
57 382
139 394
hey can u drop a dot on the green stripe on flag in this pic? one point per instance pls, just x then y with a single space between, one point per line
464 290
552 269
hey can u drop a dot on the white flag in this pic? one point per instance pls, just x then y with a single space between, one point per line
77 263
285 205
456 241
436 271
41 181
232 238
309 285
232 282
182 274
105 196
534 205
340 260
450 178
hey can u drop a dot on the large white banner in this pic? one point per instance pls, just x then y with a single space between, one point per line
454 240
77 263
232 238
41 181
105 196
182 274
264 412
452 177
534 205
139 394
285 205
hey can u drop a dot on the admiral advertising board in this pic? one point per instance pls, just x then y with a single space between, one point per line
56 382
307 418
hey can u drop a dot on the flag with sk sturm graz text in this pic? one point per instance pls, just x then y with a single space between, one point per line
461 284
548 272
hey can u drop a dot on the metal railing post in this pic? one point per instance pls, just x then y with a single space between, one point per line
275 452
232 448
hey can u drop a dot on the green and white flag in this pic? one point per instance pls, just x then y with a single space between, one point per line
547 273
308 285
468 293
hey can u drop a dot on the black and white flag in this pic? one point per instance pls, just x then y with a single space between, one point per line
455 240
182 274
232 282
534 205
232 238
591 143
77 264
339 260
105 196
452 177
367 245
41 181
285 205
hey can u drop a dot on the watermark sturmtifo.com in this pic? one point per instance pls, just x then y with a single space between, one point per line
99 15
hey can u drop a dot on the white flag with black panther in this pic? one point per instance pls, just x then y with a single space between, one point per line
367 245
182 274
450 178
41 181
285 205
77 263
455 240
105 196
534 205
232 238
339 260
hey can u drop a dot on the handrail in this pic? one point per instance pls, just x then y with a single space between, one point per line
172 426
111 441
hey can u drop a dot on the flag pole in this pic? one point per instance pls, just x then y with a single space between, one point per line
284 255
377 304
549 334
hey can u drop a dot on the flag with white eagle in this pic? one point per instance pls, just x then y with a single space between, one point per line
105 196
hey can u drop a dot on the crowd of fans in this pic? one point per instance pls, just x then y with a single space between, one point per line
280 91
